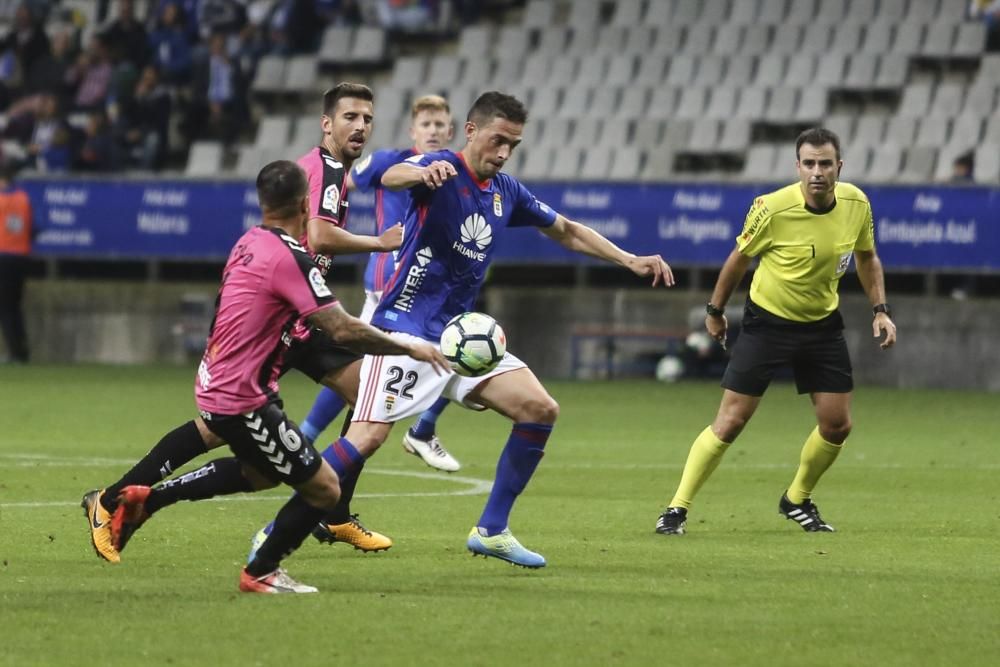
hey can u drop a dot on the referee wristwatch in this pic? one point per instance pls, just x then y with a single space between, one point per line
882 308
714 310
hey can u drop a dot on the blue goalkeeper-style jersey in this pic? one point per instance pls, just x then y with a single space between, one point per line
450 238
390 208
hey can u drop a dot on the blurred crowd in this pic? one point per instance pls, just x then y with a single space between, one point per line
106 97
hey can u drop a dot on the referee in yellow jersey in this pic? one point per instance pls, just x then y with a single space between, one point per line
804 235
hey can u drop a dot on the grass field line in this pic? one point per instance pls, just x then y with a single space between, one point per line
475 486
26 460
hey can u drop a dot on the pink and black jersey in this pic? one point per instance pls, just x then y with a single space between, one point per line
269 283
327 195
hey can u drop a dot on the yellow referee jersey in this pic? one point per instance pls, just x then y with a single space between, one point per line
804 253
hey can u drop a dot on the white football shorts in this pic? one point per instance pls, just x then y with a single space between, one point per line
397 387
371 300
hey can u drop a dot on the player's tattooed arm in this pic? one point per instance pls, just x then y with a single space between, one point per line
364 338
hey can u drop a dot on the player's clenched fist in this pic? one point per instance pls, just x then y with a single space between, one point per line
391 238
438 173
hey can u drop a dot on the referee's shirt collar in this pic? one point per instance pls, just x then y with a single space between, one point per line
819 211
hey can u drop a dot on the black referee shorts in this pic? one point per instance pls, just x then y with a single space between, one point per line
816 352
317 355
269 441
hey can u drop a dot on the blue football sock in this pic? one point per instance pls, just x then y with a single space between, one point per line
424 428
325 409
520 457
344 458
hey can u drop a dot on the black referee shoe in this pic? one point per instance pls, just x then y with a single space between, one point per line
806 515
672 521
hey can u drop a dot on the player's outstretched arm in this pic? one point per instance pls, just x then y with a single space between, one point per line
329 239
406 175
364 338
583 239
873 281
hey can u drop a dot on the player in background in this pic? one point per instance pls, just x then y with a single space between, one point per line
461 206
804 235
269 284
431 129
346 122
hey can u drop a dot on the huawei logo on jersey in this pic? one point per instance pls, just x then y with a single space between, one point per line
476 230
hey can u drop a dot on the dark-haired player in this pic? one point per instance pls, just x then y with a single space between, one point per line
460 208
346 123
270 283
431 129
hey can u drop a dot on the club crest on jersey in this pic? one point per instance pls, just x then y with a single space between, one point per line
331 198
476 230
497 205
390 402
318 283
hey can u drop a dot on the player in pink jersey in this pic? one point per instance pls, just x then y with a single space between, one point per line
346 123
269 283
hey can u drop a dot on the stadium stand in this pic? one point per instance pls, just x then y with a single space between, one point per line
668 89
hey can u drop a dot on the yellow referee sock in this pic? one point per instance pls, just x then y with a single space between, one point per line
817 456
704 457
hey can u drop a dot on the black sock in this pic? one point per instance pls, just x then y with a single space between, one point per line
173 450
291 527
347 422
342 512
221 477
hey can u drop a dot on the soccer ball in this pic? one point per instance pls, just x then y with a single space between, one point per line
473 343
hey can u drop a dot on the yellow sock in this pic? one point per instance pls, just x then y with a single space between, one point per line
704 457
817 456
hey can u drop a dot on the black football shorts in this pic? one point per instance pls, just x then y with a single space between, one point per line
816 352
317 355
269 441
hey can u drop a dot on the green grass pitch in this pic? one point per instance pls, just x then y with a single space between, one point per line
912 577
